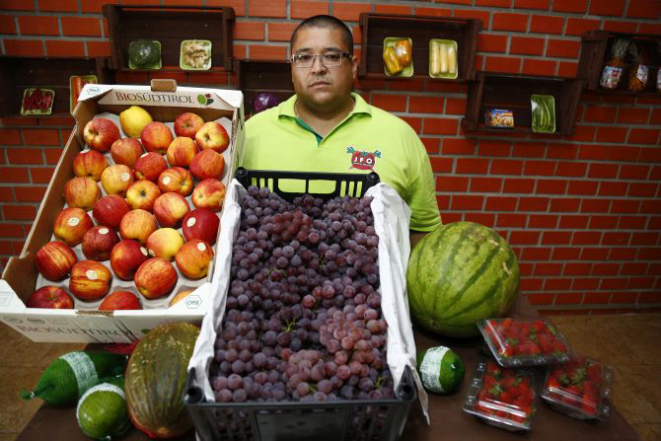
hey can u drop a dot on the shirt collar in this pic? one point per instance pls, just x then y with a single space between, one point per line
287 108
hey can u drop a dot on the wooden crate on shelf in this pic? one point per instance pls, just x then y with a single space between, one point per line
20 73
596 52
170 25
421 29
513 92
257 76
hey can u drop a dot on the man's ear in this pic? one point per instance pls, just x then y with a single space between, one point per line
354 66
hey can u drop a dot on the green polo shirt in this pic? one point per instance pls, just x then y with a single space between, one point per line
368 139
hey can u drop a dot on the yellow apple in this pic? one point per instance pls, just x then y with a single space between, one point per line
133 120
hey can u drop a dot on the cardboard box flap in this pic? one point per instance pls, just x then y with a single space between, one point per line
144 96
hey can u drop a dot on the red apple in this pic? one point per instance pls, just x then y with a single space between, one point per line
210 194
137 224
120 300
155 278
164 243
187 124
126 257
176 179
156 137
89 164
193 258
50 297
109 210
170 208
149 166
126 151
143 194
89 280
100 133
98 242
201 224
71 224
116 179
207 164
181 152
81 193
54 260
212 135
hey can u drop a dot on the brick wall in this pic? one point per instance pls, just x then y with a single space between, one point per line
583 212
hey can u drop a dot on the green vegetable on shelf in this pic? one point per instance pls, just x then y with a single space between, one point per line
144 53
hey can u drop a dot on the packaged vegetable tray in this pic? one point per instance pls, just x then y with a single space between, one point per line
580 388
524 341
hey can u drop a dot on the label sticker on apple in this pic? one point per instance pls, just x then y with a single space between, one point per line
144 251
144 154
191 222
91 274
104 231
125 177
73 221
166 180
201 246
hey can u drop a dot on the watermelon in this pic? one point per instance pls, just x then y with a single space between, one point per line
441 370
155 380
101 411
458 275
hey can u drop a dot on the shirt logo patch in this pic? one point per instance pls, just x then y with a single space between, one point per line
363 160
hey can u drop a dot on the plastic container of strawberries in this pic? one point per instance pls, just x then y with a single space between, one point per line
516 342
580 388
502 397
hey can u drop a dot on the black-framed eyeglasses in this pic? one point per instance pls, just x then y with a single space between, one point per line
328 59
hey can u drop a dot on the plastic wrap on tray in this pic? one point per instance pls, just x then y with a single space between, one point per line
443 59
398 56
524 342
580 388
502 397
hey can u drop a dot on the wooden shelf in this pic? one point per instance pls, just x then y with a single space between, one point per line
596 52
421 29
18 73
255 76
170 25
512 92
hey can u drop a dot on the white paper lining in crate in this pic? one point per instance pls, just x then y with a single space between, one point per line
391 222
117 284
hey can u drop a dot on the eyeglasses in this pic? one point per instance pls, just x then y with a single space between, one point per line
328 59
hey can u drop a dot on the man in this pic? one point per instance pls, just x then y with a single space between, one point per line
325 127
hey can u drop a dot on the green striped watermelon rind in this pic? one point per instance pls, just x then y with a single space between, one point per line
486 327
500 280
471 399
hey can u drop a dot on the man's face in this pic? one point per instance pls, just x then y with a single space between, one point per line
319 87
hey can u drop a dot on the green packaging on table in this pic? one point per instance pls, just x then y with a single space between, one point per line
66 379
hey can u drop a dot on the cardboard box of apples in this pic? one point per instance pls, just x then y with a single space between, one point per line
125 238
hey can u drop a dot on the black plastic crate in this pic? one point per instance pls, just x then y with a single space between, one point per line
345 184
381 420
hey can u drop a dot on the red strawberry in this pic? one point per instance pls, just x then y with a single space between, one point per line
539 326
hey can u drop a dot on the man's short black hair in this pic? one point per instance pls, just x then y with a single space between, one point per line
325 21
